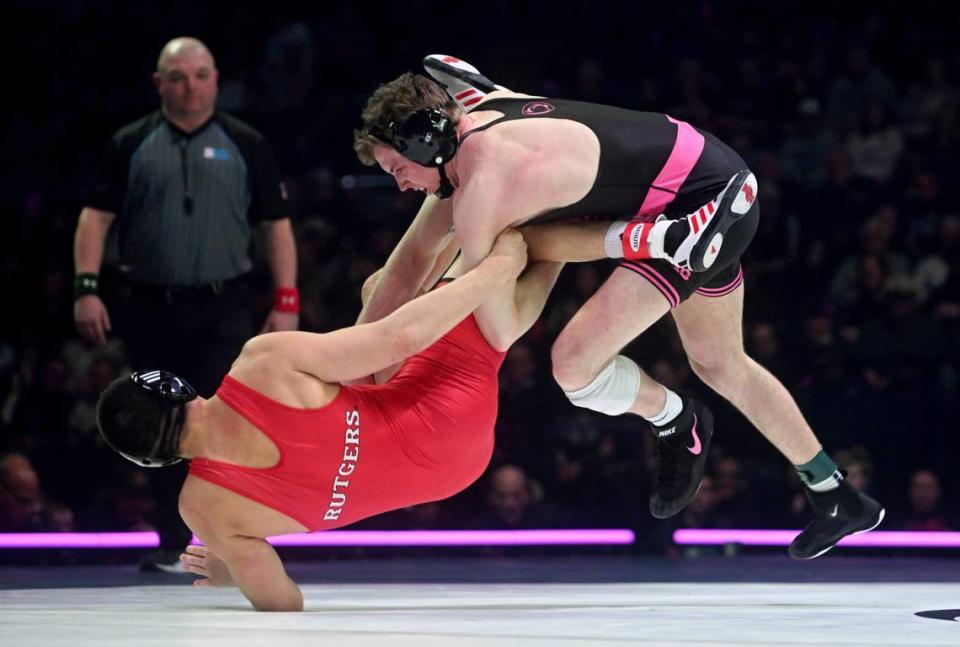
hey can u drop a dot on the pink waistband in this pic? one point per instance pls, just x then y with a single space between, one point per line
686 151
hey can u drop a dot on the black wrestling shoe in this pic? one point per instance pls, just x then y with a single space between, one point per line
681 457
840 512
698 237
462 81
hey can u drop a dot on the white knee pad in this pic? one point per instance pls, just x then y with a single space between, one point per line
613 391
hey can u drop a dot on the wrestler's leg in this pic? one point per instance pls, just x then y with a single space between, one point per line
711 329
594 376
570 242
623 307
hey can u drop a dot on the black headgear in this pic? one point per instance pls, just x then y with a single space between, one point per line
427 137
165 389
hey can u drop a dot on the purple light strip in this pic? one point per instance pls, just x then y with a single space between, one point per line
458 538
875 539
79 540
591 537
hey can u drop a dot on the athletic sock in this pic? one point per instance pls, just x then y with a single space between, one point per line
612 239
820 473
671 409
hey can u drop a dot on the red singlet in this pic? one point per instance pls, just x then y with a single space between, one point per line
423 436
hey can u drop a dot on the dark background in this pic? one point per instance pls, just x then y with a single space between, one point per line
847 112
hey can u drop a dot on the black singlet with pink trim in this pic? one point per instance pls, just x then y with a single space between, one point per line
649 162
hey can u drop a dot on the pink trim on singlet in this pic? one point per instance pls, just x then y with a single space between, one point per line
726 289
656 279
686 151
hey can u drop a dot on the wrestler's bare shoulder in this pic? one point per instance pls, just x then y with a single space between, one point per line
267 365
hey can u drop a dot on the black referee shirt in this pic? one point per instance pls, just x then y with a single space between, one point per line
185 202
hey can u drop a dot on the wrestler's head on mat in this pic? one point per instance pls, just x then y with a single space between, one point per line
142 416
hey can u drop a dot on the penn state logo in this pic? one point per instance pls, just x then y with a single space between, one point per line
536 108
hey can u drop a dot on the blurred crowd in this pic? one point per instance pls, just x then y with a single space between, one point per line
851 122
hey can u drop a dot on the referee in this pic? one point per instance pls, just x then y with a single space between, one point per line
178 193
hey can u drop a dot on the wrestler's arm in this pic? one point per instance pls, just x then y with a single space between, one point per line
531 292
251 564
444 260
411 260
359 351
506 315
258 572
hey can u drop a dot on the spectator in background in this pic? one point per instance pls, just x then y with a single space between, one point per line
900 354
858 465
124 506
804 152
832 387
859 84
937 268
899 345
522 383
431 515
184 187
925 508
875 148
695 91
701 512
832 217
525 395
939 274
777 242
937 151
734 504
764 345
927 97
856 288
23 507
511 503
288 71
923 210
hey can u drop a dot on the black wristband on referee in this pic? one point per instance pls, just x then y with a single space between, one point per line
84 284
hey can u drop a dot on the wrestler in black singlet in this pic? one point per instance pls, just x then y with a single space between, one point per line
634 149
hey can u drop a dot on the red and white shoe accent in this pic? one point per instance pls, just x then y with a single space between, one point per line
639 241
636 241
462 81
710 223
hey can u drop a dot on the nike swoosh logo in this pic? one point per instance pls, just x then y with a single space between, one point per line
696 448
836 508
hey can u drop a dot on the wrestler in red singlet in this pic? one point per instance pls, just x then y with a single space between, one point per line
423 436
